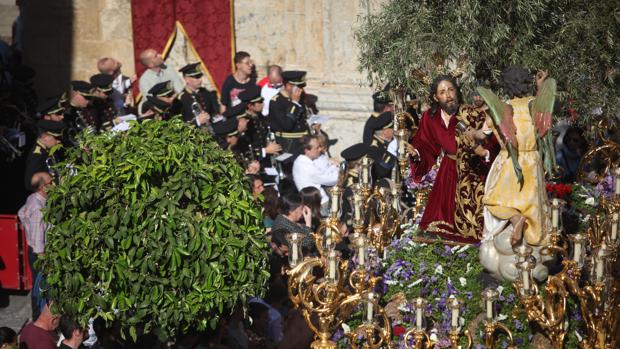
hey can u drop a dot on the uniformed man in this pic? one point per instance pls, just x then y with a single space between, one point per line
258 129
52 109
197 104
39 159
164 93
103 105
227 135
383 133
78 116
243 145
381 103
351 155
287 113
154 108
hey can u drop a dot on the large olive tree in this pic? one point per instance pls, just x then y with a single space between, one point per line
407 42
153 228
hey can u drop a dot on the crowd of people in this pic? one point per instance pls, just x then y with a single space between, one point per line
267 125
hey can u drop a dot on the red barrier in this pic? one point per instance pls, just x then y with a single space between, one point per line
14 268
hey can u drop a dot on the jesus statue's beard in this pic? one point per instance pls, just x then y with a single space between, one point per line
450 108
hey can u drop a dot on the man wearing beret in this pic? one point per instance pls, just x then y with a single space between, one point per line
39 159
103 106
197 104
287 113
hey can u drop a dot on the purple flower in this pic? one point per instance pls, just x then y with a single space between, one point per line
518 324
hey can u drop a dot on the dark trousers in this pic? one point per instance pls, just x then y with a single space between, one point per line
35 294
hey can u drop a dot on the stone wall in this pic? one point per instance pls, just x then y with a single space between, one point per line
63 39
316 36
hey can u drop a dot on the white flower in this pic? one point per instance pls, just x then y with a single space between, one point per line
346 328
468 268
590 201
586 218
391 282
449 280
453 249
463 281
501 317
404 308
414 283
433 336
439 270
579 338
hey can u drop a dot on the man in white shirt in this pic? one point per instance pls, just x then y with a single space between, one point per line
308 173
157 72
120 85
272 88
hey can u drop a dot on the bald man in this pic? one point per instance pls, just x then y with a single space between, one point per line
121 85
156 72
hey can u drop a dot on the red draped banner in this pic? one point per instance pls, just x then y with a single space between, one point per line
208 25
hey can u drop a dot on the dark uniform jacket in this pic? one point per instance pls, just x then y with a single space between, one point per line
286 116
36 162
104 113
383 161
207 101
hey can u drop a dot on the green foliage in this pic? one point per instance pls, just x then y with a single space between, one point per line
153 227
577 41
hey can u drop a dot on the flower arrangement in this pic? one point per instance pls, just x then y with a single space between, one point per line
559 190
438 272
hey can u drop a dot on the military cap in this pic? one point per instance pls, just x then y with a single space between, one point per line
51 106
383 121
146 106
251 95
82 87
295 77
162 89
355 152
227 127
382 96
103 82
238 111
157 104
54 128
192 70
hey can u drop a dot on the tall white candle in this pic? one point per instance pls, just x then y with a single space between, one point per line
555 213
334 209
577 253
332 269
418 318
526 278
614 227
455 317
361 258
369 311
357 203
295 256
617 185
599 269
489 310
364 174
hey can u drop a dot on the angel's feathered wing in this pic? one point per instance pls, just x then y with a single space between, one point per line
541 111
501 114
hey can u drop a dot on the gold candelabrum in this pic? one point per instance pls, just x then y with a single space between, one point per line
365 177
491 325
318 287
418 338
596 294
328 233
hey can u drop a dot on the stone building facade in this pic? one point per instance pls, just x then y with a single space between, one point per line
62 40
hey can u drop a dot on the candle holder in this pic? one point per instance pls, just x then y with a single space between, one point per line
579 249
375 331
295 255
360 279
455 305
365 179
556 244
491 325
421 339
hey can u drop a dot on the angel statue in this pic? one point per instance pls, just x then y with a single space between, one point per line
515 200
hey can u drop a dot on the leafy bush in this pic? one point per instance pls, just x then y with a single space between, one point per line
153 227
